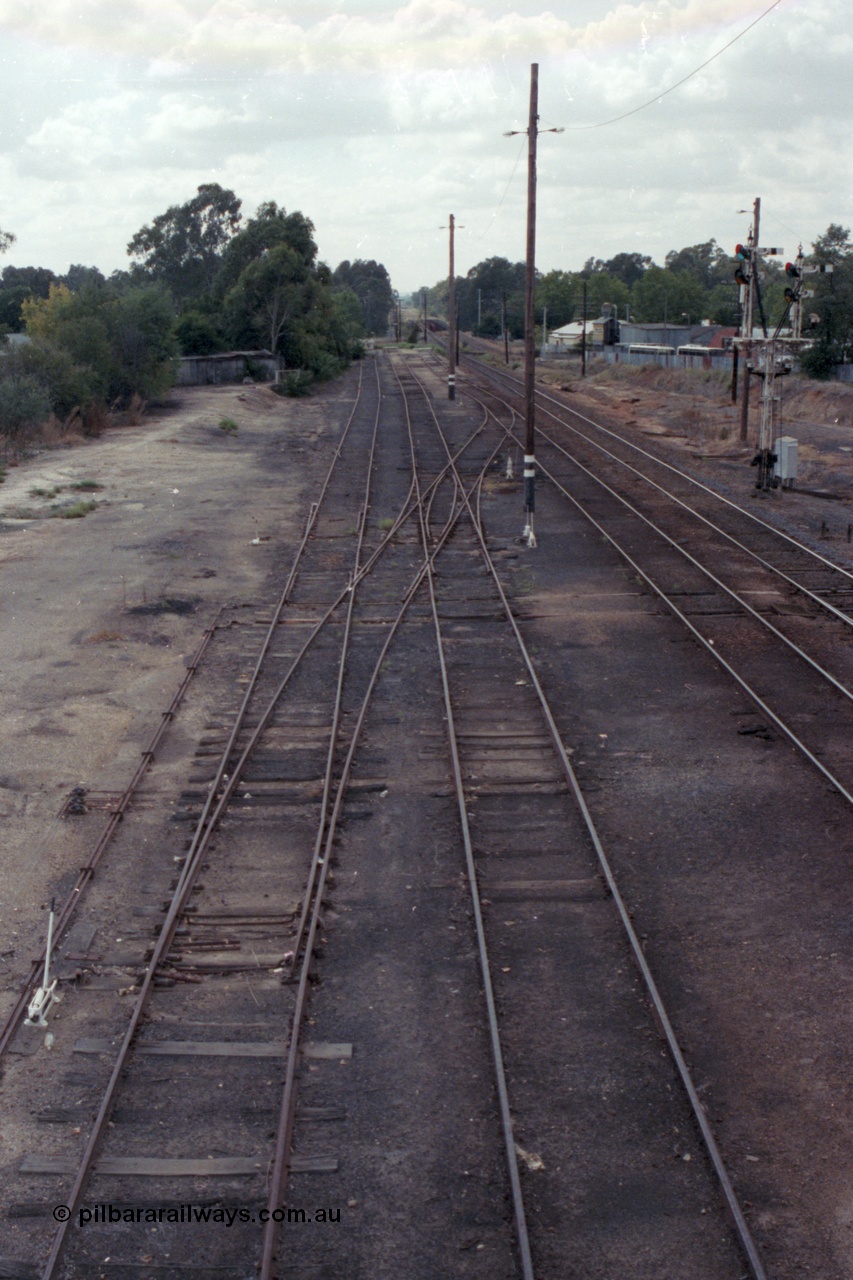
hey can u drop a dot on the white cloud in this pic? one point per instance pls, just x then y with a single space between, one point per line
377 118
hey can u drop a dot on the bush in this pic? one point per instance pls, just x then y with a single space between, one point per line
198 334
819 361
296 382
325 366
24 404
68 384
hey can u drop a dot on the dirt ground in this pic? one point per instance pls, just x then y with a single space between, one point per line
100 614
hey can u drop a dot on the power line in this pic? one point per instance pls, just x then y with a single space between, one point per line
579 128
504 196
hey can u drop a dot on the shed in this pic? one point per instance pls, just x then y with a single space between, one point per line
227 366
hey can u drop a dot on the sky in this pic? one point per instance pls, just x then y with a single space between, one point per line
377 119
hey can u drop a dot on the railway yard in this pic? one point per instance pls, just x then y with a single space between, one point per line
428 905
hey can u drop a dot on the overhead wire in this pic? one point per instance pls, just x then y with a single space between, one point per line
579 128
505 194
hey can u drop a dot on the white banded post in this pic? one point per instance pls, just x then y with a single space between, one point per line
529 496
451 386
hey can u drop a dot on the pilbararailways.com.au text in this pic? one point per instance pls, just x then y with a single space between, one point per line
190 1214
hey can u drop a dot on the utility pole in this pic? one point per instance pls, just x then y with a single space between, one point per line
583 333
530 306
425 296
544 331
503 326
451 320
530 312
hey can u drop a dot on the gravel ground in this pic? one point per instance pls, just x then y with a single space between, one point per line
99 615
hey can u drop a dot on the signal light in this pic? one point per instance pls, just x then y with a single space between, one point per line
790 295
792 271
742 252
741 277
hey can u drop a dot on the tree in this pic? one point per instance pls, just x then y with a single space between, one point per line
833 246
479 296
183 247
141 326
270 227
6 239
627 267
78 277
272 292
706 263
833 300
66 383
123 339
348 319
11 301
37 280
198 334
674 297
371 284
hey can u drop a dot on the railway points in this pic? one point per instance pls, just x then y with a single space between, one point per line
450 794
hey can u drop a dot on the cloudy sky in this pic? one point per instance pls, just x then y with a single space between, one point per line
378 118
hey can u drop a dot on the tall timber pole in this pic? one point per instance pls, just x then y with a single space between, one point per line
530 307
530 314
451 321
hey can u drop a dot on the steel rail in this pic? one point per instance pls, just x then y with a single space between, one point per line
204 831
284 1135
697 564
744 1235
87 871
668 466
708 645
337 703
519 1215
206 825
814 596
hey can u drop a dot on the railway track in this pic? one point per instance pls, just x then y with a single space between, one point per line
772 611
357 996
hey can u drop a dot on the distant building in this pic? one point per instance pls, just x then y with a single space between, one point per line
11 340
227 366
568 336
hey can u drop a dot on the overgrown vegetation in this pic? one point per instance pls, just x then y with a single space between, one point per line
201 280
258 284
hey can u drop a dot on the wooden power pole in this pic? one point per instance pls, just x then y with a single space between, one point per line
451 322
530 313
530 308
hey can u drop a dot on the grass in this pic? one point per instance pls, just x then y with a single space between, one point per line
228 425
385 524
45 493
86 486
75 511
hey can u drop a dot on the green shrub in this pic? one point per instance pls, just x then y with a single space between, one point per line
325 366
296 382
75 511
819 361
24 404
